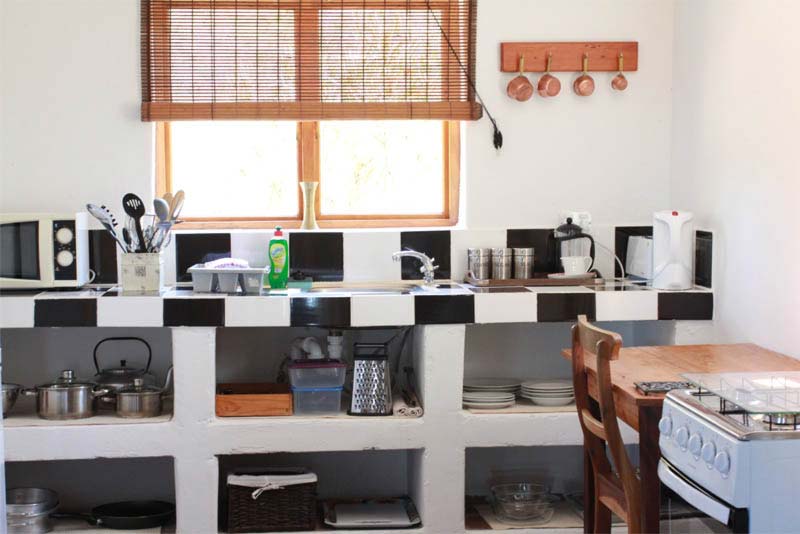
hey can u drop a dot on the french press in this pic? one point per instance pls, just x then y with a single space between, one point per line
572 241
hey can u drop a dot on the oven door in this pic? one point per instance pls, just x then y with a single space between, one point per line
735 519
26 253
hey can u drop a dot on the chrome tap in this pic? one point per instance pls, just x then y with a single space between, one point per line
428 267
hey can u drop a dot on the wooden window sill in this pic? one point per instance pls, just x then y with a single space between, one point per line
260 224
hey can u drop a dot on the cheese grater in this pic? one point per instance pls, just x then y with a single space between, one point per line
372 380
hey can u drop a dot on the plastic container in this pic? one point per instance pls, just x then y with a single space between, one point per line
305 374
226 280
317 401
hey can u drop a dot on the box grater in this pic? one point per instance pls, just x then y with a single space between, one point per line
372 380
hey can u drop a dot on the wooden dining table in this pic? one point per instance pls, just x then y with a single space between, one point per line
642 412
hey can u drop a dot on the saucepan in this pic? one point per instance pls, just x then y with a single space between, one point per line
29 510
127 515
520 88
10 394
140 399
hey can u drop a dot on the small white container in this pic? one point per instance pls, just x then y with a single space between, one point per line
317 401
142 272
226 280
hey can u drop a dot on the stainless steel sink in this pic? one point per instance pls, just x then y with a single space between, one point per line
381 289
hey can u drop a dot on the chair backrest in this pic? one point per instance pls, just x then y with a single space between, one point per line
604 347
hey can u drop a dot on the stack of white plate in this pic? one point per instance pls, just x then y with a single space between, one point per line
490 393
549 392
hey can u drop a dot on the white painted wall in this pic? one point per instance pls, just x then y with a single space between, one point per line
63 143
734 160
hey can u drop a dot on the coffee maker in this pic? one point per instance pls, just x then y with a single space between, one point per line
572 238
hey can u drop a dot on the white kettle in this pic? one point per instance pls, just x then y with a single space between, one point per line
673 250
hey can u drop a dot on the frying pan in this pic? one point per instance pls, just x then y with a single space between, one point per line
127 515
520 88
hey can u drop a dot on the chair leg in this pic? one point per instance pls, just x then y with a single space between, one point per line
602 518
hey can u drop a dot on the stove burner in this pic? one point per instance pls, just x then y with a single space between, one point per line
781 419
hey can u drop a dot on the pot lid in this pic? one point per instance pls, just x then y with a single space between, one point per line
66 380
325 363
138 386
122 370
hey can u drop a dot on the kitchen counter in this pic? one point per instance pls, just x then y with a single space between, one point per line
343 307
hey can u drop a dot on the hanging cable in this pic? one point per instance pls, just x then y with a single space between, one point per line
497 137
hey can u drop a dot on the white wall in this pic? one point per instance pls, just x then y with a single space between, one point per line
608 154
70 130
734 161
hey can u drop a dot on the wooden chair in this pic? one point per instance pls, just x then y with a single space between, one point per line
606 490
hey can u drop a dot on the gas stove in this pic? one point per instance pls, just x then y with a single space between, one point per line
731 447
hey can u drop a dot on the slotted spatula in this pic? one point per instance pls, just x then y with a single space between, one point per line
134 208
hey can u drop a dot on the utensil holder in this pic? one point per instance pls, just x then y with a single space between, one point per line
142 272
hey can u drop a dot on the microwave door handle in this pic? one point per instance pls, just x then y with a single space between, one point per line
694 495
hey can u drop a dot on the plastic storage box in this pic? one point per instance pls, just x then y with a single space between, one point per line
226 280
306 374
317 401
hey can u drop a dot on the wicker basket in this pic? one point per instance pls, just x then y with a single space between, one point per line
292 507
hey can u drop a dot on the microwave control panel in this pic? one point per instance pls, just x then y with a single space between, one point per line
64 250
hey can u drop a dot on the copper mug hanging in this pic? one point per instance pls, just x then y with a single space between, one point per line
584 84
520 88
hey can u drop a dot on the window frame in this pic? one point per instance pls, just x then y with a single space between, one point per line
308 169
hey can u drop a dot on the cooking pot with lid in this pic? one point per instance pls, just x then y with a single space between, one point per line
66 397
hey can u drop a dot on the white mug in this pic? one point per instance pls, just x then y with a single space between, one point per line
574 265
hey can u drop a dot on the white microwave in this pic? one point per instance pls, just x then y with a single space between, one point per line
43 250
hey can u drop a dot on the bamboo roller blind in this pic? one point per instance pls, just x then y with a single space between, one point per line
307 59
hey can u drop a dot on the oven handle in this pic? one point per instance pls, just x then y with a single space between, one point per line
692 493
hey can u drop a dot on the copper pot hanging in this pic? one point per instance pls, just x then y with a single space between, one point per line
549 85
584 84
620 82
520 88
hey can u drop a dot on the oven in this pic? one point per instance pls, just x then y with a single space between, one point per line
40 250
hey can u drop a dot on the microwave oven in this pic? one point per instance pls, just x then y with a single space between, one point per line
43 250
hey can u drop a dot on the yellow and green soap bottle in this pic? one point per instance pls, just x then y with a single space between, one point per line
278 260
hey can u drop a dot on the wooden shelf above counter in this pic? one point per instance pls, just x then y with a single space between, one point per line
568 56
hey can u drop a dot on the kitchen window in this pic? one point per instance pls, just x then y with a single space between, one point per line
363 96
370 173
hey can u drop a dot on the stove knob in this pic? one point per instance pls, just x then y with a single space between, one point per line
665 425
682 436
722 462
708 453
695 444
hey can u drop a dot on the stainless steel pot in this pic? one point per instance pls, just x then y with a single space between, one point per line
28 510
66 397
10 394
140 400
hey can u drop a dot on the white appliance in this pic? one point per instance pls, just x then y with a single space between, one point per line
43 250
724 453
639 257
673 250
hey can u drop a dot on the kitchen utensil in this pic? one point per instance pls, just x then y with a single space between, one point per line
176 206
479 263
253 400
372 514
127 515
161 209
116 378
107 219
28 510
10 394
571 240
502 261
523 263
548 85
66 397
139 400
520 88
134 208
620 82
126 237
584 84
372 380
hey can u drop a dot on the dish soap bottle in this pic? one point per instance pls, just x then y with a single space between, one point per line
278 260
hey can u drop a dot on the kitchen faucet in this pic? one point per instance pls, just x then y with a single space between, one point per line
427 268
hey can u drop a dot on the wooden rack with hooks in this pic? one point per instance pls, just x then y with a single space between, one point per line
568 56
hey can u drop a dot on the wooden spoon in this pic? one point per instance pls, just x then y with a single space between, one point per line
520 88
549 85
584 84
620 82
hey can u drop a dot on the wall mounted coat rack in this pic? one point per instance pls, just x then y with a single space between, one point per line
568 57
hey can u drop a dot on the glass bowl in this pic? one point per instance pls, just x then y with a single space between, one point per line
521 502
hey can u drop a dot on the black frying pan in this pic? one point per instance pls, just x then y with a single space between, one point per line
128 515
